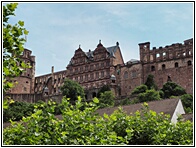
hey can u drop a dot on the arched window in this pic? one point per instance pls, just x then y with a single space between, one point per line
125 75
189 63
176 64
163 67
152 68
94 94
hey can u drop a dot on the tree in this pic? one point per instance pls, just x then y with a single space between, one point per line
139 89
106 99
172 89
150 83
149 95
103 89
13 42
187 101
72 89
85 127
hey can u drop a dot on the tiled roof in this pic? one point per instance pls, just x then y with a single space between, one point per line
166 106
111 50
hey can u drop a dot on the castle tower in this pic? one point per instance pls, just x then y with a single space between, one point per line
24 84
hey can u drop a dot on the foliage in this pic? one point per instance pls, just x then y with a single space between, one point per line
187 102
103 89
149 95
106 99
172 89
150 83
76 127
13 42
17 110
86 127
139 89
125 102
72 89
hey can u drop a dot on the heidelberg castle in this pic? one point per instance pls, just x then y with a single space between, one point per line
105 65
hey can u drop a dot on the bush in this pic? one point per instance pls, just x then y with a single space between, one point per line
72 89
102 90
149 95
187 101
172 89
140 89
106 99
17 110
85 127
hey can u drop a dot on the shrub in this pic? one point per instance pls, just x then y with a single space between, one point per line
139 89
149 95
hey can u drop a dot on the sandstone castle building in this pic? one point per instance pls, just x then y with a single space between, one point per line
105 65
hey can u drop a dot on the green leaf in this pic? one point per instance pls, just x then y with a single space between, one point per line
95 100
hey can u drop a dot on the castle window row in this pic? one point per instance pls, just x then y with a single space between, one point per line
177 54
92 76
133 74
89 68
189 63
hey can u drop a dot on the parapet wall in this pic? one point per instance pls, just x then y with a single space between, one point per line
171 52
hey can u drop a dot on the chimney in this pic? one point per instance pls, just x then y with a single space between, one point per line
52 69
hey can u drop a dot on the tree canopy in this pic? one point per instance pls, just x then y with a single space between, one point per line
72 89
172 89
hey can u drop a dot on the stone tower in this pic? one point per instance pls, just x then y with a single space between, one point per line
25 82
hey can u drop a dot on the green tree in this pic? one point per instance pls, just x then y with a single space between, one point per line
149 95
86 127
150 83
172 89
72 89
187 101
106 99
139 89
13 42
103 89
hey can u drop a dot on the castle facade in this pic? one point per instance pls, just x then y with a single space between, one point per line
105 66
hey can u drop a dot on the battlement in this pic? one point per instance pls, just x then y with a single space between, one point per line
169 52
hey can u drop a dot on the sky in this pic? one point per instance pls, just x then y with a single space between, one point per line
57 29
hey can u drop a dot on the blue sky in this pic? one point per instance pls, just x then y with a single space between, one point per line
57 29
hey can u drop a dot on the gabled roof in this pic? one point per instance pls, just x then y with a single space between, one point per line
112 50
166 106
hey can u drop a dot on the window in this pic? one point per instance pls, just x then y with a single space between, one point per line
108 64
76 70
81 78
27 82
157 55
176 64
86 77
97 66
102 65
102 74
97 75
92 76
133 74
125 75
163 67
164 54
91 67
189 63
152 68
86 68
